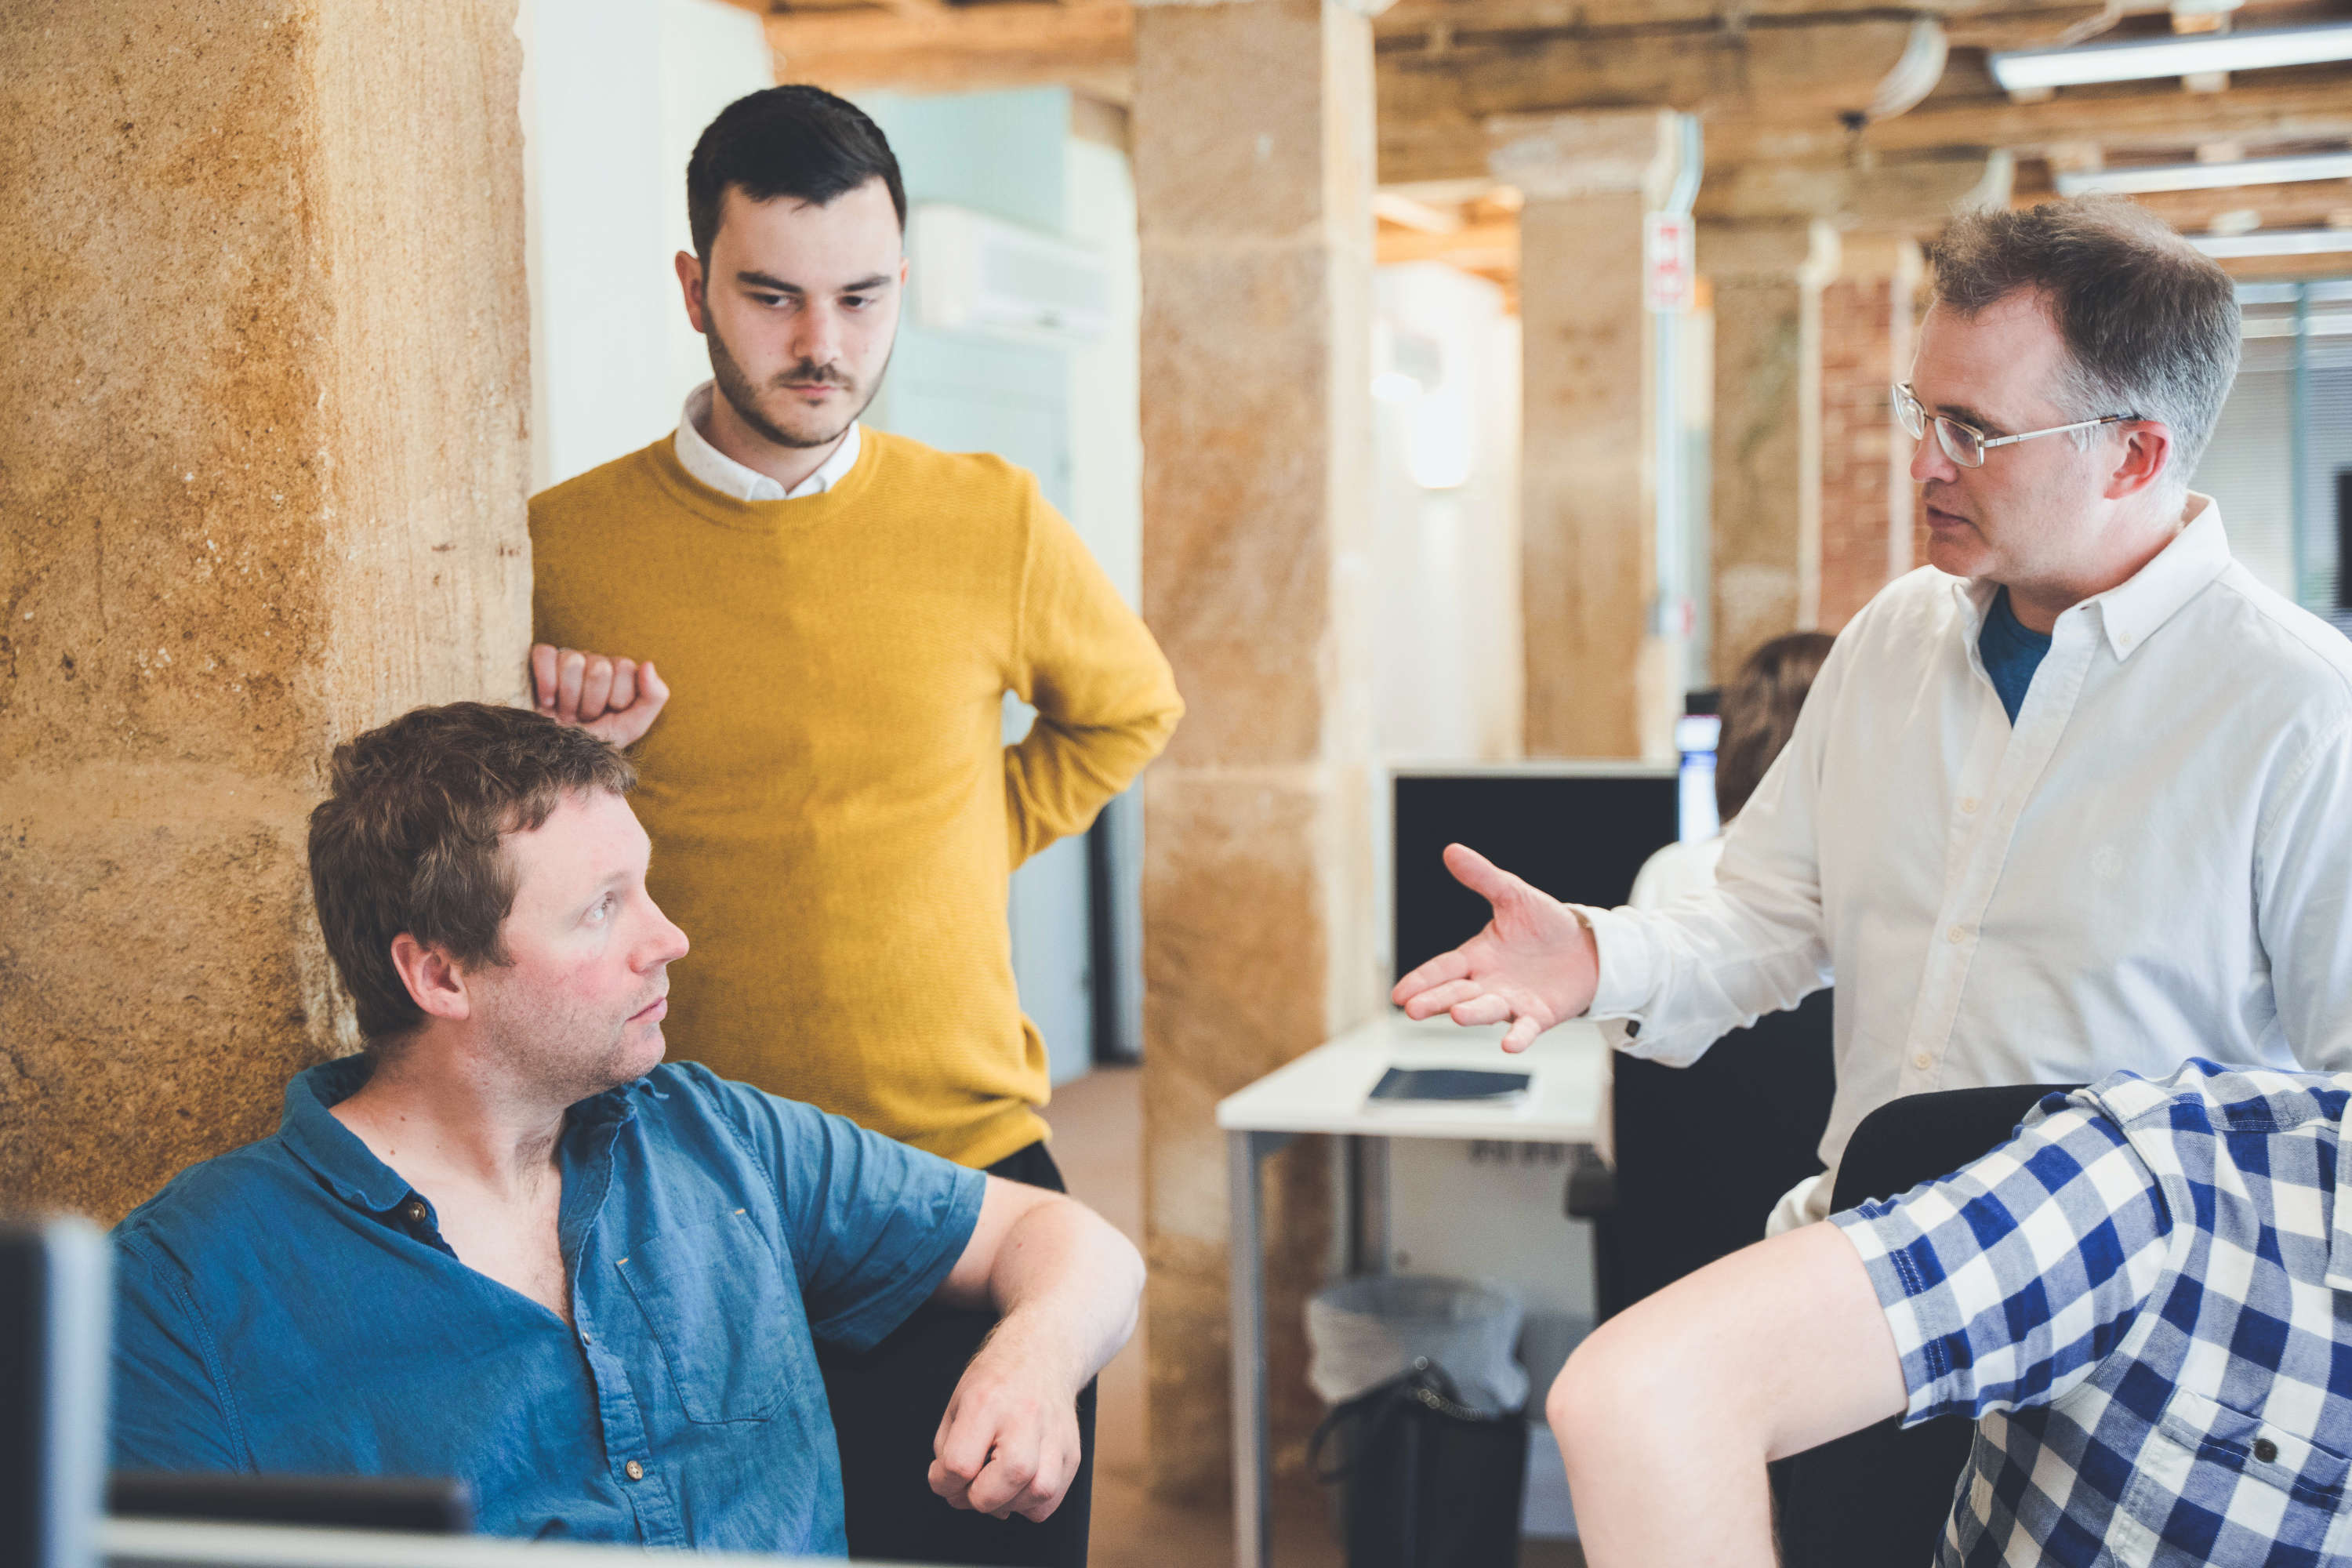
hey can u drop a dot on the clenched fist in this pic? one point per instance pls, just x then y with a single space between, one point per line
614 699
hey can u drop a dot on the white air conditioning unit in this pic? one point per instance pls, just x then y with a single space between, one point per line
977 274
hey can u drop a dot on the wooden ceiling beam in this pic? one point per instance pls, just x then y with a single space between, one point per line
2306 204
1488 244
920 46
1407 19
1798 72
2309 104
1908 195
2313 103
2255 269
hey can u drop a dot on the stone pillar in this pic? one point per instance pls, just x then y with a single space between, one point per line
1866 342
1766 447
1599 684
263 477
1252 136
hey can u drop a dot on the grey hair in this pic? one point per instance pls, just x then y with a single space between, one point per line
2150 323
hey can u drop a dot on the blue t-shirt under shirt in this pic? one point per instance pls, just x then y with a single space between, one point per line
2010 652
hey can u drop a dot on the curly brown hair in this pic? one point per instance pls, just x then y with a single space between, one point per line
410 839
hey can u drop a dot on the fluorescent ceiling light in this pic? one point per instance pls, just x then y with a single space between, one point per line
2189 54
2208 176
2275 242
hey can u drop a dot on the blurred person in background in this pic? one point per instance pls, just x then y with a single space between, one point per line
1703 1145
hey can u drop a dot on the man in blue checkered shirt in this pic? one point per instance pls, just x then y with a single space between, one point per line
2144 1298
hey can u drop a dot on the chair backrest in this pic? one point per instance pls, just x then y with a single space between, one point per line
1704 1152
1923 1136
1883 1494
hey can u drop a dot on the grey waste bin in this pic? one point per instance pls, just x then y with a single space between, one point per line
1362 1333
1424 1440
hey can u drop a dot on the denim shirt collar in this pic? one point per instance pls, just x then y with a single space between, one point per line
351 1169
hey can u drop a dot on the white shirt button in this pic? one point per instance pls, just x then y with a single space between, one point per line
1968 805
1922 1061
1957 934
635 1471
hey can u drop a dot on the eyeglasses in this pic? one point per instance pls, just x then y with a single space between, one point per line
1964 444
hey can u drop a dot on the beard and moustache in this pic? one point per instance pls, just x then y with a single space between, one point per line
744 397
569 1052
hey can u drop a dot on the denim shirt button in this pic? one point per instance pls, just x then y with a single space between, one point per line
414 1209
637 1472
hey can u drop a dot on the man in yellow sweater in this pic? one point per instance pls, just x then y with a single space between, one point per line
840 611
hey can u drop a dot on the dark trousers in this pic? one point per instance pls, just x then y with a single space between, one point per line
886 1406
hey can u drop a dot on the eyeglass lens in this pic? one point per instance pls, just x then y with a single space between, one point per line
1959 442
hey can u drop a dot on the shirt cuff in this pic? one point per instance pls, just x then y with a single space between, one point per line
1919 1308
1625 984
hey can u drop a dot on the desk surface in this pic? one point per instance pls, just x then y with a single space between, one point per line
1325 1090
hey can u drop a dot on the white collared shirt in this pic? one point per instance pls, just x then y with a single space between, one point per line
2153 864
730 477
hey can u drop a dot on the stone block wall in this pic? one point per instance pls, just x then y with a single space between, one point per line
261 485
1252 172
1866 525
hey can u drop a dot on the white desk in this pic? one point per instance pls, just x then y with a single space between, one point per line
1324 1091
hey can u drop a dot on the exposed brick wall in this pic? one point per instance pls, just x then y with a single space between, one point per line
1866 523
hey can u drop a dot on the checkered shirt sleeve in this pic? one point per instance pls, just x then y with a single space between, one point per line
2007 1282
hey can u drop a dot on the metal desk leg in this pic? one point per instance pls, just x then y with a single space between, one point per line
1370 1249
1253 1528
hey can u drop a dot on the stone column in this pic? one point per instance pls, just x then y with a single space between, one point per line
263 480
1766 447
1599 684
1867 342
1253 137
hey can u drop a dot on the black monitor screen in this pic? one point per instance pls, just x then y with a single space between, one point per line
1581 838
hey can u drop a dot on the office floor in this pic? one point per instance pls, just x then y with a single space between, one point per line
1098 1124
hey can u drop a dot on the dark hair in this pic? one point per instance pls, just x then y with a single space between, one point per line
2150 323
409 838
797 141
1759 713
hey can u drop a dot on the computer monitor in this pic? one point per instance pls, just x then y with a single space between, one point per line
350 1502
1579 830
56 1295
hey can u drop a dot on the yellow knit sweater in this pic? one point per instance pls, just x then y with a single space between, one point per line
832 812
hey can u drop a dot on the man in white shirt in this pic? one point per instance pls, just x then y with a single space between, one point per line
2146 858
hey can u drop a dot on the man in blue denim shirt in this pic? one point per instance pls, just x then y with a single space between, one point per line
508 1243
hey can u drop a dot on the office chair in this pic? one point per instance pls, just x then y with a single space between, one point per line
1704 1151
1883 1495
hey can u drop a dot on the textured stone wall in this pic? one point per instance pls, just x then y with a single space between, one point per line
1596 682
1866 510
1586 484
261 485
1253 132
1766 446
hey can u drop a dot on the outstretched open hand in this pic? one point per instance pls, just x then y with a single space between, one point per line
1535 964
614 699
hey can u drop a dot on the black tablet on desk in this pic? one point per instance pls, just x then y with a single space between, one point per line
1457 1084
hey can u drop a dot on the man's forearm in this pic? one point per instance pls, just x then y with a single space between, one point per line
1066 1286
1060 774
